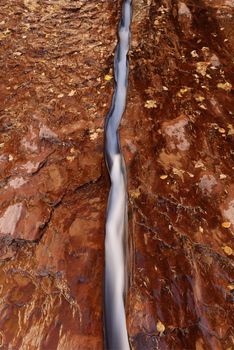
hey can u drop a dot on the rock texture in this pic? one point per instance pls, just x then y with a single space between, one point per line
178 143
177 136
54 97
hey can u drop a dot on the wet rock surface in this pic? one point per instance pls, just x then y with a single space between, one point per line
179 121
54 97
177 137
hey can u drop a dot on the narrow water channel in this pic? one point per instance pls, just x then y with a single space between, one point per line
116 337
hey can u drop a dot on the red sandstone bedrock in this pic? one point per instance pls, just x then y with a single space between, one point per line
54 98
177 135
178 143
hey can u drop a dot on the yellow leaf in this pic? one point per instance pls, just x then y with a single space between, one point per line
70 158
202 67
160 327
182 91
150 104
226 224
231 129
163 177
108 77
225 86
227 250
199 98
4 34
231 287
135 194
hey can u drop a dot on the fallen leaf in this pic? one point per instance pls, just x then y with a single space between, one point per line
72 93
202 67
93 135
182 91
4 34
179 173
199 98
227 250
108 77
163 177
194 53
225 86
231 287
202 106
70 158
231 129
199 164
150 104
226 224
205 50
222 176
221 130
135 193
7 31
189 174
160 327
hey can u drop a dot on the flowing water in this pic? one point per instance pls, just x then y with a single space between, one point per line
116 337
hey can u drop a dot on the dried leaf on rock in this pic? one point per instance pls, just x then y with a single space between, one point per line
225 86
150 104
202 67
227 250
226 224
231 129
108 77
182 91
160 327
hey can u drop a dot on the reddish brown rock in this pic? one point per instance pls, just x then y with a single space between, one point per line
180 176
177 137
54 98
